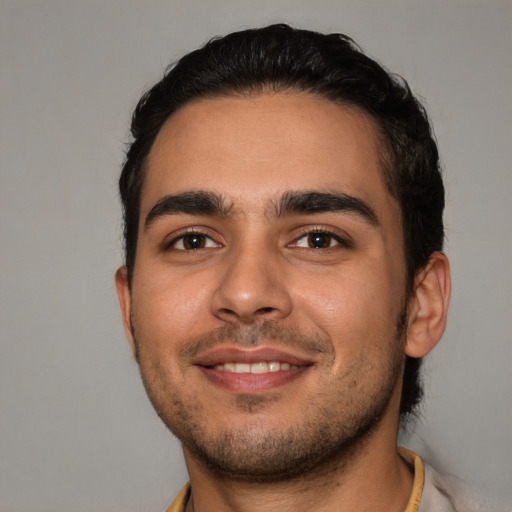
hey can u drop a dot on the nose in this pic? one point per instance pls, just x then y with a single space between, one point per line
252 287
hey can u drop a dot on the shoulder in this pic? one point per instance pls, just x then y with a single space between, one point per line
445 493
180 502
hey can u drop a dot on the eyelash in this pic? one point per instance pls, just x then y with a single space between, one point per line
181 237
340 241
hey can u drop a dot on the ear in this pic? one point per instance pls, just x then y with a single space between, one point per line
125 303
428 307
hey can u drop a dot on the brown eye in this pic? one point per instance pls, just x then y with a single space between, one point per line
319 240
192 242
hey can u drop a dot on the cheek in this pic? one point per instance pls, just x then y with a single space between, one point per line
170 307
354 303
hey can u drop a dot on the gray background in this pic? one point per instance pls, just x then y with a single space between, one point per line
76 430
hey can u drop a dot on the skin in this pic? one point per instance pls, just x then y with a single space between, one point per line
259 283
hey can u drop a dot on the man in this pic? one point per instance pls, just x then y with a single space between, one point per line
284 275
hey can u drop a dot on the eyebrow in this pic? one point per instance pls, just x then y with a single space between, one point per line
192 203
293 202
309 202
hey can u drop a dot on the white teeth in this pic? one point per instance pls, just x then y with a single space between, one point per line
242 368
274 367
261 367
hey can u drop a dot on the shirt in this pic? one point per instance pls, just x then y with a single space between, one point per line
431 492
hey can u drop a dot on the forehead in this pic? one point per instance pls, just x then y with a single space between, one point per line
250 148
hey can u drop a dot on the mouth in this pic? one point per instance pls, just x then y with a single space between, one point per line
251 371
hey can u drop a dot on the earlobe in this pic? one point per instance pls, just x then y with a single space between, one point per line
124 297
428 307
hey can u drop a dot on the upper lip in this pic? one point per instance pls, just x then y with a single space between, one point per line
230 354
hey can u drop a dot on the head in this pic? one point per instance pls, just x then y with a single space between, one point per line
332 67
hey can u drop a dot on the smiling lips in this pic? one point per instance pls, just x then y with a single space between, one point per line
250 371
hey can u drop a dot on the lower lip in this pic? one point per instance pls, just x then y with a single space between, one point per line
251 382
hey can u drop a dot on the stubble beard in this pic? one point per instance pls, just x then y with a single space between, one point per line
327 439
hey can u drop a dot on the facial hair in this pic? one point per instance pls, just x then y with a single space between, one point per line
331 430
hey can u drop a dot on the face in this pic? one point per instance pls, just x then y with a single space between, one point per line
268 284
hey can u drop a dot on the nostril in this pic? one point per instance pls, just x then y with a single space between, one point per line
227 312
243 300
263 311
